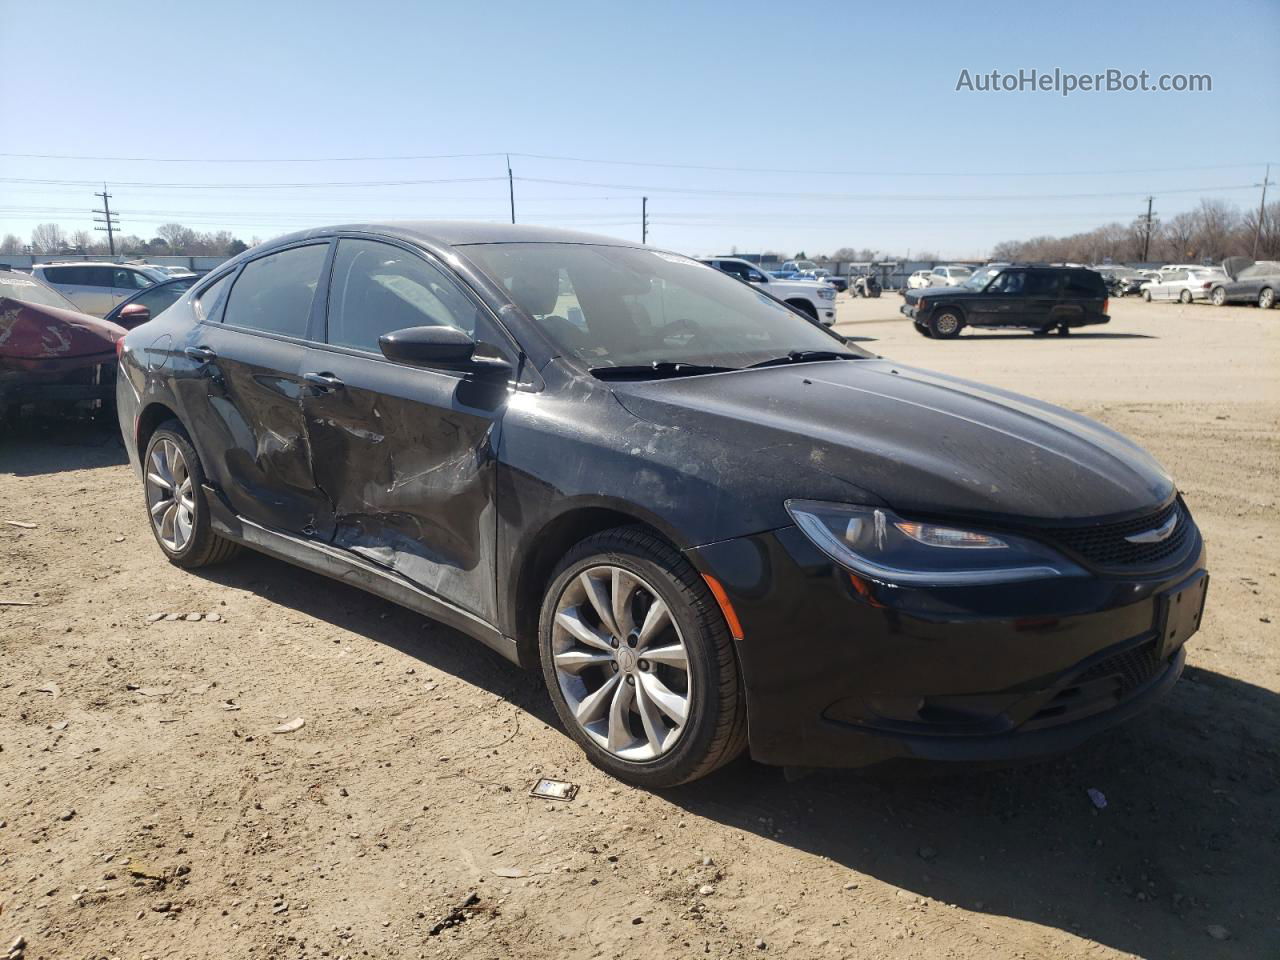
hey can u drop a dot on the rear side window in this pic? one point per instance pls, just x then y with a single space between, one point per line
98 276
1042 283
207 301
67 275
1083 283
274 293
377 288
129 280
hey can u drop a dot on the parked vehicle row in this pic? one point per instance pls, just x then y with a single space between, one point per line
813 298
713 525
1247 281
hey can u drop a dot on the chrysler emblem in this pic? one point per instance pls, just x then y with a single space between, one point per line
1156 534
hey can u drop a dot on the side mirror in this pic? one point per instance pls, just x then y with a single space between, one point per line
441 348
756 278
133 315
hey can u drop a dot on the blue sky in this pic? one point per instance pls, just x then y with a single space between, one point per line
839 125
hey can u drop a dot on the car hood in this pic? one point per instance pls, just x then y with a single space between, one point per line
923 442
951 292
31 331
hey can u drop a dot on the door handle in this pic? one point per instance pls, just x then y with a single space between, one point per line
200 354
324 382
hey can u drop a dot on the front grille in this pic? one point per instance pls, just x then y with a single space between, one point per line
1131 668
1100 687
1105 545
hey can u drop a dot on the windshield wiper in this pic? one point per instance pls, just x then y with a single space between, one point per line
804 356
656 369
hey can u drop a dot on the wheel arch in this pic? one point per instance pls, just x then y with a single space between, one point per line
149 418
537 557
804 306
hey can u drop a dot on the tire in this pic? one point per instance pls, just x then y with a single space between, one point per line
923 330
1064 330
1146 295
656 750
946 323
1266 298
201 547
1184 296
1218 296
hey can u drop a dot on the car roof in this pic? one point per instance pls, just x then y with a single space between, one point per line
92 263
454 233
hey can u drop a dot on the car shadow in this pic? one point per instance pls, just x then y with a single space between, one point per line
35 445
987 337
1187 838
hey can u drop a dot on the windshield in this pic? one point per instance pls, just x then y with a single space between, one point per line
17 287
980 278
624 306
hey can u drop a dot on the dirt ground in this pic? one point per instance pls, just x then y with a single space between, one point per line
148 810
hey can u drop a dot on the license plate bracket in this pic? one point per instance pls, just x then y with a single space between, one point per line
1180 611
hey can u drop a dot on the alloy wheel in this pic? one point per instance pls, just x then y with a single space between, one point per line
948 324
170 496
1267 299
621 663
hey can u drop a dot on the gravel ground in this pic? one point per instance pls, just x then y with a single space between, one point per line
147 808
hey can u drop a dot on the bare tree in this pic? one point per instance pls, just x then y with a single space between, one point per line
10 244
48 238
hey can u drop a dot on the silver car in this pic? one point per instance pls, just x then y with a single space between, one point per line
1184 285
96 288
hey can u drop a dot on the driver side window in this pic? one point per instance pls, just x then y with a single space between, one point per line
377 288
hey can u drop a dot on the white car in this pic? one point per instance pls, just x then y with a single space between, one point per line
97 287
1183 284
815 298
920 279
951 276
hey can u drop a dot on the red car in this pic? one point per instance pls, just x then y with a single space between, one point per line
51 354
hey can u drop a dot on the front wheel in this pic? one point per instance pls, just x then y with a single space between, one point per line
1184 296
1218 297
639 661
1267 298
945 324
173 483
1146 295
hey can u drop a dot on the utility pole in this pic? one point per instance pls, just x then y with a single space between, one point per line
112 222
1262 211
644 219
1146 234
511 189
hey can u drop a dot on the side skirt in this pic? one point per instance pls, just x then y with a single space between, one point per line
348 568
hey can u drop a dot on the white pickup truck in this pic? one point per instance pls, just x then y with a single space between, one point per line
816 298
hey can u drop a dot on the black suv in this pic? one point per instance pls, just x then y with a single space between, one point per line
1033 297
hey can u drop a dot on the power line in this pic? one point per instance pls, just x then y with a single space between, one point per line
252 186
564 158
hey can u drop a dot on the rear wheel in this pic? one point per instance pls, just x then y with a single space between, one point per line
945 323
639 661
1146 295
1218 297
173 482
1267 298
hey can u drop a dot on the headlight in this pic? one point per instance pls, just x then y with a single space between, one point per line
827 293
879 544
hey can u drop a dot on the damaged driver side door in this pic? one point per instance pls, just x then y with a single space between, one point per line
405 455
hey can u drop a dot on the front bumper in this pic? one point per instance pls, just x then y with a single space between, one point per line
843 672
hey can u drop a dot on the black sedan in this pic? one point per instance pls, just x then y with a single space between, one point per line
1248 281
711 524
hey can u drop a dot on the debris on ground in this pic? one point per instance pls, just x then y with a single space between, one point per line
1098 797
52 688
548 789
510 873
457 915
290 726
21 523
1218 932
18 603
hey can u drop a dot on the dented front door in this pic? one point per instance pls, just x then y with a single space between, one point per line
406 458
